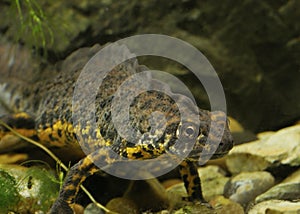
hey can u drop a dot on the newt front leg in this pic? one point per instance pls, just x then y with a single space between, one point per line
86 167
77 174
189 174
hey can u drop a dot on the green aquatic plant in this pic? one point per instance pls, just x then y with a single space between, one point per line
37 189
57 160
59 171
33 28
8 192
43 26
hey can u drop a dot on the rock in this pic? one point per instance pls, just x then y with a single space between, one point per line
171 182
265 135
289 12
239 134
213 181
220 162
78 209
220 205
122 206
245 186
235 126
194 208
175 194
276 207
288 189
243 162
243 137
141 191
16 58
282 147
225 206
93 209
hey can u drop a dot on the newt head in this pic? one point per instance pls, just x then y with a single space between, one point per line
212 139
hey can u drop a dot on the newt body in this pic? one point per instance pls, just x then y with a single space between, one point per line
44 113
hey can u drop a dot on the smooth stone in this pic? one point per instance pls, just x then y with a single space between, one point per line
282 147
141 191
78 209
213 181
122 206
175 194
223 205
244 187
288 189
276 207
93 209
194 208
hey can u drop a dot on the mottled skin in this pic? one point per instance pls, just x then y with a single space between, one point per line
49 120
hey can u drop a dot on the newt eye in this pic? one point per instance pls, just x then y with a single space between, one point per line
189 131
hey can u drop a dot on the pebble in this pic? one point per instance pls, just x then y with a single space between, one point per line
245 186
141 191
213 180
122 206
280 148
276 207
288 189
223 205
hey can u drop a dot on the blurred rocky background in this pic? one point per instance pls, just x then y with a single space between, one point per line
253 45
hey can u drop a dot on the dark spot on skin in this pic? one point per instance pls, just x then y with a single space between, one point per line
181 167
103 132
102 105
150 147
125 154
150 150
185 179
196 180
17 103
59 133
35 137
137 155
85 136
69 192
20 122
77 181
106 116
52 138
87 170
193 171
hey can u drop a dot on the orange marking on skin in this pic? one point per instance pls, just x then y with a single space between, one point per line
51 133
70 187
21 115
26 132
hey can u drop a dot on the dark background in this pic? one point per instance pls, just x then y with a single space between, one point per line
253 45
